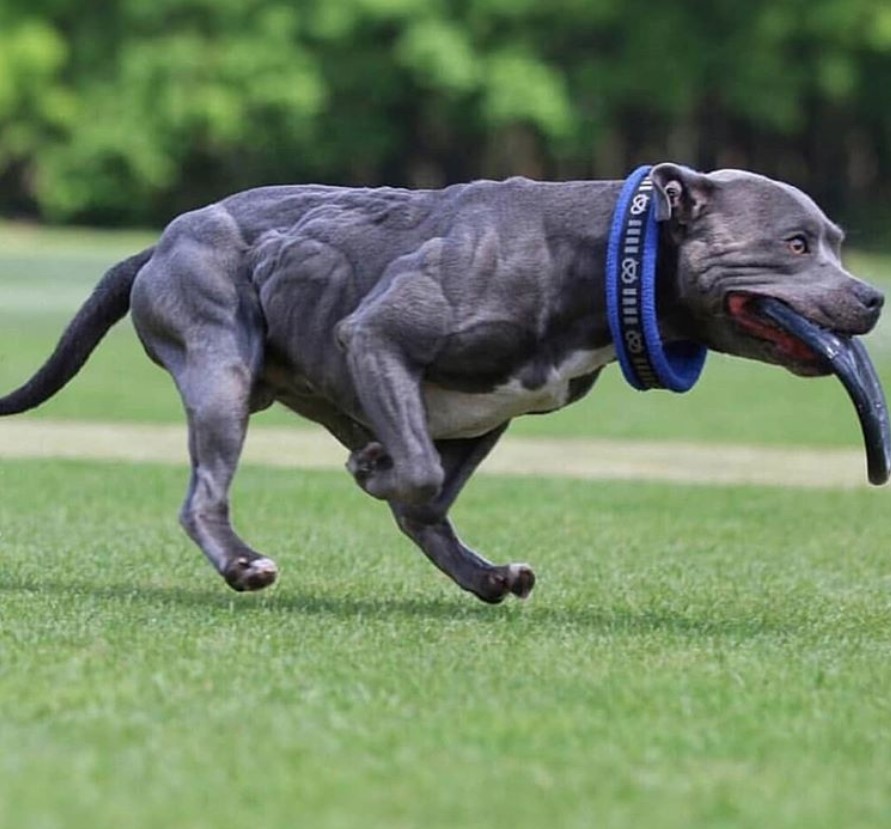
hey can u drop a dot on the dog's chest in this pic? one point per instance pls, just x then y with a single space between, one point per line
457 414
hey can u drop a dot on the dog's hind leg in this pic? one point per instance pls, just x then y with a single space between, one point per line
429 527
216 396
215 388
203 324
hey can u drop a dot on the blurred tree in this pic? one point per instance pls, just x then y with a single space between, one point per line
125 111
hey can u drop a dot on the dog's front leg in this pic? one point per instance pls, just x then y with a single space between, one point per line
436 537
389 340
402 465
429 527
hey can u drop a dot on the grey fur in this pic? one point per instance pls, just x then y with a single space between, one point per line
414 325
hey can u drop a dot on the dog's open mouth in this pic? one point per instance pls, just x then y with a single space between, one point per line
789 349
806 345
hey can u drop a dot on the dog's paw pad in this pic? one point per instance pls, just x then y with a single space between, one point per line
251 574
520 579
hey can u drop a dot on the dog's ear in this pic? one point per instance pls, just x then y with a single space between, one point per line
681 193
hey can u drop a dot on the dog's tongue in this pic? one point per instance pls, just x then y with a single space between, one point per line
848 359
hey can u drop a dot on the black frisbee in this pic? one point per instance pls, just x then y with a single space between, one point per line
848 359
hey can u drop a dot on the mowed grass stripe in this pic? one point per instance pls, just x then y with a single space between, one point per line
583 458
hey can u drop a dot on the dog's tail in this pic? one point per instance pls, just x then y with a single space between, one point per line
108 303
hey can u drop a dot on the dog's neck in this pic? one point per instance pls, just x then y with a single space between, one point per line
676 323
585 210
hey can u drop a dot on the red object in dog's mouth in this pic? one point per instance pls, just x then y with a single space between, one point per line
743 308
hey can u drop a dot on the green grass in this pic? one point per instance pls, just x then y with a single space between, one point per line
692 657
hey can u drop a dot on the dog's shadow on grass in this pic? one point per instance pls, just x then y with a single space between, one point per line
616 620
270 602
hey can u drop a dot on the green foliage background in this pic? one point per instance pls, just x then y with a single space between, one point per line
129 111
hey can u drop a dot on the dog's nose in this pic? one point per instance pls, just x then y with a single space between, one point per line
873 299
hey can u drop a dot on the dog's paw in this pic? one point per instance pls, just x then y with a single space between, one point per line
244 573
521 580
375 472
368 461
516 579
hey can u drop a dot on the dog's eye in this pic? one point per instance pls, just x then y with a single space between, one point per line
797 245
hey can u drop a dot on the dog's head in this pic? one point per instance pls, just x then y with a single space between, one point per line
741 237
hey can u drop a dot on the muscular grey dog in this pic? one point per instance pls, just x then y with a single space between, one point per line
414 325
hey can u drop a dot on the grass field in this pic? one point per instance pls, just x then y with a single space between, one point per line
693 656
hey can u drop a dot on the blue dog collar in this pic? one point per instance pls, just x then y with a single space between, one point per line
631 296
